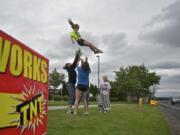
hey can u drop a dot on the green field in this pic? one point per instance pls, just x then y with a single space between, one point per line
122 120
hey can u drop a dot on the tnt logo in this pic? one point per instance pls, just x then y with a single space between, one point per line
30 109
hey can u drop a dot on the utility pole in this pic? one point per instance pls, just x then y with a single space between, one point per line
98 69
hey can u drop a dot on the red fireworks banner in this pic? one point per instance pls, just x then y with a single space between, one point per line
23 89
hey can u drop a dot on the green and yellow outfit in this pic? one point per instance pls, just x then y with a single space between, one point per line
77 37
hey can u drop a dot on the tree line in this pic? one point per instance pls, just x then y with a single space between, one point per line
134 80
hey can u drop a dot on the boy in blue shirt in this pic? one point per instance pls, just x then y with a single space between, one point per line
70 68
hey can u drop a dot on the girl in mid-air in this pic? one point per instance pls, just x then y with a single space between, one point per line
75 36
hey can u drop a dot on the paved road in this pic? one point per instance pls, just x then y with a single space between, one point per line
172 113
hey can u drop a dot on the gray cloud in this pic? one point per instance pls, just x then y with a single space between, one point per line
165 65
114 42
164 28
162 34
171 82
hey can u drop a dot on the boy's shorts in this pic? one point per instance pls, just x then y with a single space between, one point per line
82 87
80 42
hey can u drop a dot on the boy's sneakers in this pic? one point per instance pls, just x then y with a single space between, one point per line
98 51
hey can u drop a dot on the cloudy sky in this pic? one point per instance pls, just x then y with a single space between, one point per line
128 31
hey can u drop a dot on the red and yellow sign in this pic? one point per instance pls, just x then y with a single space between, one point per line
23 89
153 102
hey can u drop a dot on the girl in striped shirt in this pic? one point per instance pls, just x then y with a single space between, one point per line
105 89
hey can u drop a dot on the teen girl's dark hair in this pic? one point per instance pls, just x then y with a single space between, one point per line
85 65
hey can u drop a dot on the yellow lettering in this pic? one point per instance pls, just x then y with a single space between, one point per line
16 60
36 68
27 64
4 54
44 75
19 61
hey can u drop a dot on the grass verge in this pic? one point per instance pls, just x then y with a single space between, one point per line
124 119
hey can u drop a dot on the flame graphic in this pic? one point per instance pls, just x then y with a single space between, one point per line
27 95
